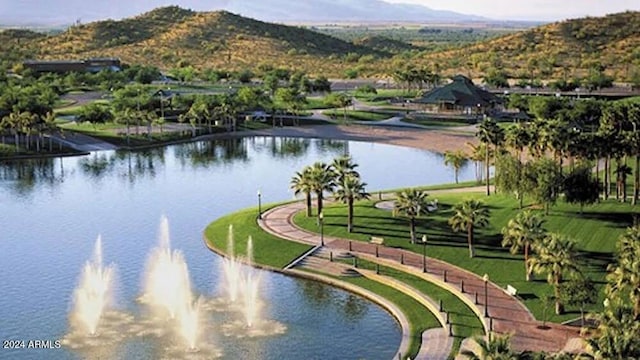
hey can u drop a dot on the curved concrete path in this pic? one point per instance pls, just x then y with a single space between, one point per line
506 313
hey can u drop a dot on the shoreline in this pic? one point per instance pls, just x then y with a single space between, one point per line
437 140
397 314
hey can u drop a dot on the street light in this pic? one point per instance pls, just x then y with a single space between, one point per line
424 253
259 205
486 297
321 218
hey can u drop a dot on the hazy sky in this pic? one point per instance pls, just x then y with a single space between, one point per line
530 9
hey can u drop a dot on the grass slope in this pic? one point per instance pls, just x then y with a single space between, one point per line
596 232
267 249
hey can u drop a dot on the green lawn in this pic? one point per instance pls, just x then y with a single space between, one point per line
596 232
419 317
465 322
357 115
315 103
267 249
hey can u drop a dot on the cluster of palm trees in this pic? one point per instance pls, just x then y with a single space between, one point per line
28 129
418 77
468 215
616 336
339 178
610 144
544 253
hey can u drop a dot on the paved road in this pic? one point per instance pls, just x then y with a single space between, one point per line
506 313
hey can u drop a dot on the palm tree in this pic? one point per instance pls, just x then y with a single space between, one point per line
469 215
350 188
522 233
321 177
617 334
555 256
344 166
455 159
493 348
624 277
302 183
490 134
411 203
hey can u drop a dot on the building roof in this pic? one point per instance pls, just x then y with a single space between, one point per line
461 92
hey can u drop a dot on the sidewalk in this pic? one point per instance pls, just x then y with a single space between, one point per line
506 313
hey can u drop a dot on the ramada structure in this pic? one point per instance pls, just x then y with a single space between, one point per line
461 96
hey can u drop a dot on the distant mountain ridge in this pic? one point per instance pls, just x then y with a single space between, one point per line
55 12
172 37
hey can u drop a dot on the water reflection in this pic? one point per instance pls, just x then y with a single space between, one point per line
289 147
131 165
204 154
333 146
354 308
23 177
316 294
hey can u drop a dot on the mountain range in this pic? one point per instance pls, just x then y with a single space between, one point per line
56 12
171 37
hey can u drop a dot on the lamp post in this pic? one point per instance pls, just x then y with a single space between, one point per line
424 253
259 205
486 296
321 218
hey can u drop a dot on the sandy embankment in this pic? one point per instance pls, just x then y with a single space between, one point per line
434 140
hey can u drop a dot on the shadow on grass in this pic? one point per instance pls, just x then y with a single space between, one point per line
618 219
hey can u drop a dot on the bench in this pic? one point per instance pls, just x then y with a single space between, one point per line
377 240
511 290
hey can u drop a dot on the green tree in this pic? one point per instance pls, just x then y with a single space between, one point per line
469 215
339 100
624 276
95 114
555 256
302 183
411 203
344 166
322 180
579 292
350 189
455 159
546 175
523 233
580 187
616 336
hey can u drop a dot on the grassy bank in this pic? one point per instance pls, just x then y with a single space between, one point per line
595 232
268 250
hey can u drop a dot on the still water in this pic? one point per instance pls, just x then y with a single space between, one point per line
51 212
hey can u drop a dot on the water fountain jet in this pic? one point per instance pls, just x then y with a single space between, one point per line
92 296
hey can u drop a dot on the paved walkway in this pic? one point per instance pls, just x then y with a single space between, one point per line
506 313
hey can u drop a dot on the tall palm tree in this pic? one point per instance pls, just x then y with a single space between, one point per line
484 134
469 215
321 176
411 203
302 183
49 125
555 256
493 348
455 159
344 166
624 277
350 188
517 138
522 233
